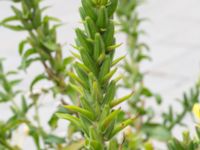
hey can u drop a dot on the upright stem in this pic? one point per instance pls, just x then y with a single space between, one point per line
94 75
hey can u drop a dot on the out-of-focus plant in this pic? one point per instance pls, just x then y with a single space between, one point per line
187 142
97 116
40 46
90 82
20 105
171 118
137 52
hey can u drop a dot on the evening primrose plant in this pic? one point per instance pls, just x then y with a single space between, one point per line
97 115
40 46
188 142
89 79
133 78
41 43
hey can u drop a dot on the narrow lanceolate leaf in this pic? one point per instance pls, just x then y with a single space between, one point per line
80 81
83 67
105 68
78 89
118 78
83 40
121 126
91 27
112 7
18 13
99 46
21 46
89 9
86 105
102 18
110 94
14 27
37 18
89 62
105 112
97 94
9 19
82 75
76 55
113 47
82 13
28 53
37 79
118 60
81 111
109 35
110 118
120 100
70 118
67 61
109 75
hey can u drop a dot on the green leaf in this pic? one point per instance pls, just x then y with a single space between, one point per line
118 60
53 121
50 45
37 79
89 10
120 100
67 61
14 27
110 94
70 118
75 145
52 139
82 38
8 19
105 68
157 131
90 27
109 118
112 7
121 126
28 53
21 46
81 111
102 20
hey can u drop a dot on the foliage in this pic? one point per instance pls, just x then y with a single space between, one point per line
137 52
187 143
89 80
40 46
97 115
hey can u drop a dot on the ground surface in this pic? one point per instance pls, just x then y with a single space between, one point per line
173 36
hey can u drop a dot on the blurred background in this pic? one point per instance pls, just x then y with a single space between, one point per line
173 35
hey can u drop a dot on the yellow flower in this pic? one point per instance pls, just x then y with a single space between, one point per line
196 111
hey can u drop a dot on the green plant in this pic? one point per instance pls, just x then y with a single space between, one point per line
90 82
187 142
40 46
96 116
137 52
172 119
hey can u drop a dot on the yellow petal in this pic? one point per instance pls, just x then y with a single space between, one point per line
196 110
